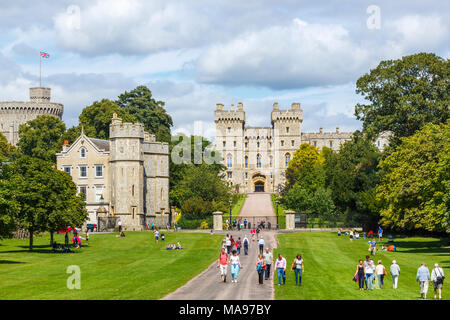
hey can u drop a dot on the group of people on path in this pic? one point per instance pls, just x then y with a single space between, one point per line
367 273
264 261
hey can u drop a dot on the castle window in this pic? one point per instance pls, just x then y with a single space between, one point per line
83 171
132 190
287 158
270 144
378 143
315 144
246 175
246 144
331 144
287 129
246 161
82 190
83 153
234 144
229 161
258 161
229 175
293 143
271 161
67 170
224 144
282 143
98 193
99 171
229 129
257 144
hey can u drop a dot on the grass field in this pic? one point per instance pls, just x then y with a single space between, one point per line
330 263
134 267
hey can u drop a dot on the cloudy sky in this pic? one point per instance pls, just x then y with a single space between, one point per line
194 54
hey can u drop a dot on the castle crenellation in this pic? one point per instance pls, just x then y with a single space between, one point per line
257 157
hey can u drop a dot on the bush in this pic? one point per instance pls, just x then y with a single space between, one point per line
186 223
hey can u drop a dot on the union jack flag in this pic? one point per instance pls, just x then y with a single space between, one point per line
45 55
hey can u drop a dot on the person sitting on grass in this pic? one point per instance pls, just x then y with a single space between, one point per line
179 246
121 235
383 248
163 237
170 247
356 235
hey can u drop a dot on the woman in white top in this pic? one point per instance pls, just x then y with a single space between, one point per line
298 268
235 266
380 271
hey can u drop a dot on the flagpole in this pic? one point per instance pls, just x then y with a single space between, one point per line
40 70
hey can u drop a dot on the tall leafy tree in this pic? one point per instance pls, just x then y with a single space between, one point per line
404 95
41 138
140 103
351 175
43 198
415 186
97 117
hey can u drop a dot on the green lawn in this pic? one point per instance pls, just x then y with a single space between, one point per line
134 267
330 263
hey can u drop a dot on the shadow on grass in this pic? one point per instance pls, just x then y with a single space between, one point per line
10 262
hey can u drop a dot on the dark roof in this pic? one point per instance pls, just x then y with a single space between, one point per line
101 144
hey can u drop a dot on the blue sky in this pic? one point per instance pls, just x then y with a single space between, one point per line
198 53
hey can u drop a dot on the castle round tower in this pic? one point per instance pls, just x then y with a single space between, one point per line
15 113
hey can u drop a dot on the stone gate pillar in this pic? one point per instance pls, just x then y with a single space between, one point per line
290 220
218 220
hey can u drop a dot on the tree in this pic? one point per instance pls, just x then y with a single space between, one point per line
9 207
415 182
41 138
306 168
97 117
140 103
6 149
404 95
202 182
351 175
43 198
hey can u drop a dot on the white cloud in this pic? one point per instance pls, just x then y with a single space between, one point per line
282 57
130 27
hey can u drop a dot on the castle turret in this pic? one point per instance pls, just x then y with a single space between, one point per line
127 172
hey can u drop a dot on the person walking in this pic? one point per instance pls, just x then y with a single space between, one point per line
360 273
223 265
156 235
260 264
373 247
422 277
298 268
238 245
235 266
280 266
369 268
380 233
245 223
381 272
351 236
268 259
246 243
119 223
228 244
261 245
437 277
395 272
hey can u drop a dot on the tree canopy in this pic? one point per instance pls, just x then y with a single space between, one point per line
41 138
140 104
404 95
415 186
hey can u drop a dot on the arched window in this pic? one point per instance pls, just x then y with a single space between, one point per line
229 161
287 158
258 161
83 152
246 161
